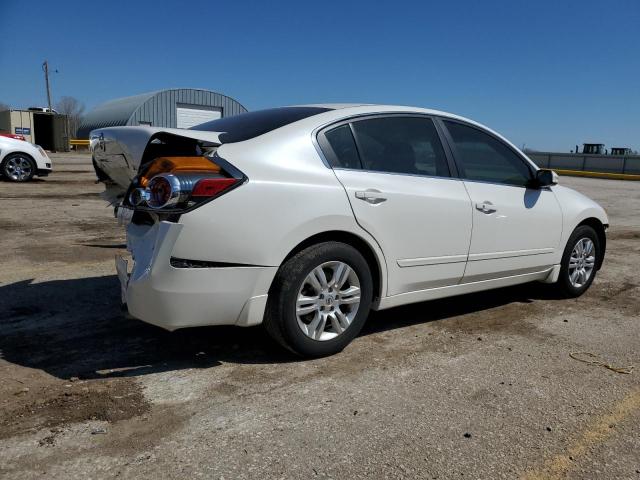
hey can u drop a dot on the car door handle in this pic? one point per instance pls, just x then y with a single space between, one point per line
371 196
485 207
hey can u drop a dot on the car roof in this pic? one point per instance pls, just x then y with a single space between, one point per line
332 106
343 111
346 111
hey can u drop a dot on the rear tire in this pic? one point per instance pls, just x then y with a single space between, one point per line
580 260
319 300
18 167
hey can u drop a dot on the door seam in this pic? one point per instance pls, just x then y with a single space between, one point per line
355 217
466 263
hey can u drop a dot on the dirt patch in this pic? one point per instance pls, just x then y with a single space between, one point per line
510 319
510 311
623 235
46 196
623 294
76 253
6 224
609 291
59 403
82 242
97 228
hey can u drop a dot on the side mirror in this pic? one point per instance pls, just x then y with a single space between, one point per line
545 178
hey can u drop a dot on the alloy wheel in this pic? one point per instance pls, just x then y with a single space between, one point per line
18 168
581 262
328 300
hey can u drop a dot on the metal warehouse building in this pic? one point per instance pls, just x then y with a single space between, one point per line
174 108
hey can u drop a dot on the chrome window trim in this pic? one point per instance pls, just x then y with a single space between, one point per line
418 175
468 180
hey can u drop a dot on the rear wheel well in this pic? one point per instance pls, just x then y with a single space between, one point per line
600 229
350 239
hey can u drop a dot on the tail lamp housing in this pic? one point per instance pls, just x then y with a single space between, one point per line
178 184
165 190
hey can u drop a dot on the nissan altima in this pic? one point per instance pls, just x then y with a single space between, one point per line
305 218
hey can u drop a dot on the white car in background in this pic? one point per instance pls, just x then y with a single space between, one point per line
21 160
304 218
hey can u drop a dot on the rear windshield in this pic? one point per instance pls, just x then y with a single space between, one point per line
251 124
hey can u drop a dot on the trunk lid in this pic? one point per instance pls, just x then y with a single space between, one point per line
119 152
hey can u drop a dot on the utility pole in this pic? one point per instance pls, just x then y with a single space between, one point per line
45 67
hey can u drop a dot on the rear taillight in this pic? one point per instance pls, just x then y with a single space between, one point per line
180 183
210 187
177 164
164 190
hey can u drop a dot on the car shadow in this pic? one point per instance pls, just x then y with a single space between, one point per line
74 328
531 197
444 308
102 245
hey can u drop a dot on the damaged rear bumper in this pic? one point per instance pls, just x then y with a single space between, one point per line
158 293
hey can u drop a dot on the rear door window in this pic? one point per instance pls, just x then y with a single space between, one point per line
397 144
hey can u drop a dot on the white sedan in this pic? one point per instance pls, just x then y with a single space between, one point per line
20 160
304 218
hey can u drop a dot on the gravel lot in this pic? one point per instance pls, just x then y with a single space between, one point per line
480 386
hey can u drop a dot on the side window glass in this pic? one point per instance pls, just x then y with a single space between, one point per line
401 145
344 153
482 157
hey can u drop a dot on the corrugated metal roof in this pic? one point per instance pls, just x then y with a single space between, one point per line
157 108
113 113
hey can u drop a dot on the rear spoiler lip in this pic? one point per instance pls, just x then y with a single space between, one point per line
197 134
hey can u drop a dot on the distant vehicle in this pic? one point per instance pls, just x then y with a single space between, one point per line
593 148
20 160
305 218
42 109
13 135
620 151
598 149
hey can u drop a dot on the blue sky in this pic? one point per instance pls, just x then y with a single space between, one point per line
548 74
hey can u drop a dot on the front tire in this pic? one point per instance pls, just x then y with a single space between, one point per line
320 299
18 167
579 263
